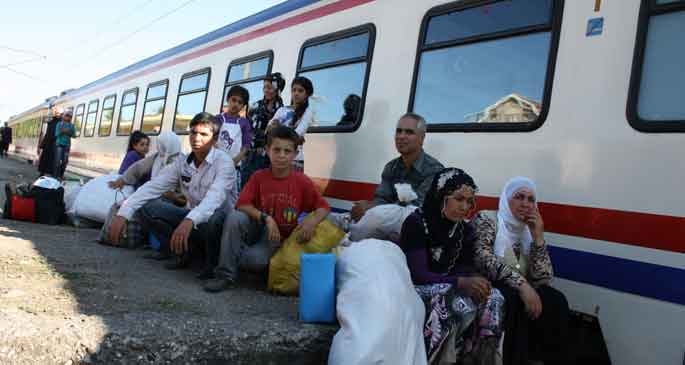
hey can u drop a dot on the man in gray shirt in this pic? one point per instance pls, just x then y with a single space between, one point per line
414 167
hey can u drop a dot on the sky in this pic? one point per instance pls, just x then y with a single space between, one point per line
50 46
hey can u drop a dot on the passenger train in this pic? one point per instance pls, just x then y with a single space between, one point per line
583 96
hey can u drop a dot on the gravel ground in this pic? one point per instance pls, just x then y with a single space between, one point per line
66 300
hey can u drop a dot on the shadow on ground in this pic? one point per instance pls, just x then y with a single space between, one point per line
66 299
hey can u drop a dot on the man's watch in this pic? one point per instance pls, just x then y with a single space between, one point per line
262 217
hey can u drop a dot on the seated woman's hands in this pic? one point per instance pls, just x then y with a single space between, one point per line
536 226
116 184
477 287
531 300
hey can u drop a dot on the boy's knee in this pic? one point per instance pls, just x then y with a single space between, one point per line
236 219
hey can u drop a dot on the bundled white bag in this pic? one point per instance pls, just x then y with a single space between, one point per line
381 316
71 190
96 198
384 222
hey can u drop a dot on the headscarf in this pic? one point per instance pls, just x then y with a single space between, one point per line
510 230
168 148
445 237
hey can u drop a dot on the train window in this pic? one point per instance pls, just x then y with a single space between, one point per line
107 115
127 110
153 109
249 73
78 117
192 96
656 88
338 65
486 66
91 116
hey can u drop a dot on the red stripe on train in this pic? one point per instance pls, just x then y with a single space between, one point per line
280 25
655 231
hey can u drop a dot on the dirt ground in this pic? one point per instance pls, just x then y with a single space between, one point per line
65 299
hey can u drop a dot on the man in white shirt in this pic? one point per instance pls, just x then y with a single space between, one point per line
206 177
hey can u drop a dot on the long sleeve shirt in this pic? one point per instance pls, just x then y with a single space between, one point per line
207 187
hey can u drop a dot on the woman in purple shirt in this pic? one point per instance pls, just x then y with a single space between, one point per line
452 266
138 147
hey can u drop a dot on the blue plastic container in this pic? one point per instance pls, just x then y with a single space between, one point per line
317 288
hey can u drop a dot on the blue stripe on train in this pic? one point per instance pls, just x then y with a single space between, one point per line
252 20
635 277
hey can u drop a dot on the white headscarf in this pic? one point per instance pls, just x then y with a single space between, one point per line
168 148
509 229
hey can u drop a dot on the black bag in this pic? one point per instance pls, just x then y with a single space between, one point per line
49 205
7 209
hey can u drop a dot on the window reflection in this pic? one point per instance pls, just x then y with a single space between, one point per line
248 70
663 75
188 106
337 50
333 86
485 82
78 117
152 116
155 92
126 112
197 82
106 116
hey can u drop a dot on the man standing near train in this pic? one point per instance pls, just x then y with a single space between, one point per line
5 140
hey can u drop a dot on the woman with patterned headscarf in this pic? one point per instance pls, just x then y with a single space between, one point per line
452 266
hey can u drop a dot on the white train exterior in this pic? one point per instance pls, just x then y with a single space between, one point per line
598 123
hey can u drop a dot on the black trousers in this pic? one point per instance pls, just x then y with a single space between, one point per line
545 338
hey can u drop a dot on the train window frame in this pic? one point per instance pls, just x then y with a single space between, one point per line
83 122
88 113
369 28
269 54
554 29
122 105
166 96
648 8
179 94
102 113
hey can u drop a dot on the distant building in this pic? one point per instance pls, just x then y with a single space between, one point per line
512 108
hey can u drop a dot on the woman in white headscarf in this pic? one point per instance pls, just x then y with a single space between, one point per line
536 328
168 149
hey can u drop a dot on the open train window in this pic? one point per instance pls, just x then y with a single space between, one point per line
192 97
91 117
486 66
127 110
107 115
153 109
249 72
655 99
338 64
78 118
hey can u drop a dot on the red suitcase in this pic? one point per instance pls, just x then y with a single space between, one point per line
23 209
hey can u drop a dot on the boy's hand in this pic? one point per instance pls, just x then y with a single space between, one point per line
307 229
272 227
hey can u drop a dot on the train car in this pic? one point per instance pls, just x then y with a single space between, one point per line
27 127
583 96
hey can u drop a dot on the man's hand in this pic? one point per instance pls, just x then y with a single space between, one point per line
272 227
477 287
531 299
116 184
359 208
115 228
307 229
179 239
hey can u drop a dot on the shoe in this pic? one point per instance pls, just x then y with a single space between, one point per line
178 264
218 284
206 275
157 256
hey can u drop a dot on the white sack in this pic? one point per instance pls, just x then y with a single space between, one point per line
383 222
71 190
96 198
381 316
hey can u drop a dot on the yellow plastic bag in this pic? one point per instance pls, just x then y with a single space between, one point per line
284 266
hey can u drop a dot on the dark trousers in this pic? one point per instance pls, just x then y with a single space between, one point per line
4 146
545 338
161 218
